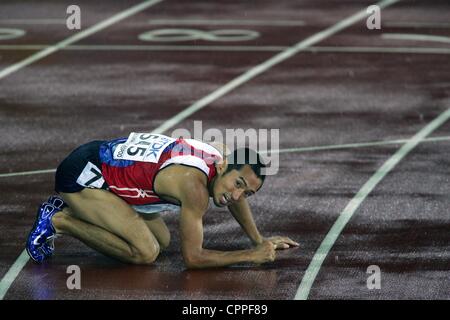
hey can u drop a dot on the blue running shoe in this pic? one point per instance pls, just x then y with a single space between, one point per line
42 233
49 246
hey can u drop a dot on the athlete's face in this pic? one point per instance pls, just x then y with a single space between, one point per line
234 185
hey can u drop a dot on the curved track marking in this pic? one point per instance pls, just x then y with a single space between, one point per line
8 33
219 35
344 217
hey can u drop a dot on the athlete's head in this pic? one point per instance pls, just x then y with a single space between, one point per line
239 175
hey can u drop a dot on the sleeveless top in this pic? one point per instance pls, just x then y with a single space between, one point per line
130 165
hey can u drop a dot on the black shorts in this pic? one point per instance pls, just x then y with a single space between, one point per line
81 169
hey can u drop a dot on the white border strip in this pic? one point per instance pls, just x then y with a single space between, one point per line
77 37
329 240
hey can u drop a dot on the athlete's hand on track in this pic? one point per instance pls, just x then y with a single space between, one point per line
265 252
282 242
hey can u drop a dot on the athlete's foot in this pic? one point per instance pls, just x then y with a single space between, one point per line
40 240
58 220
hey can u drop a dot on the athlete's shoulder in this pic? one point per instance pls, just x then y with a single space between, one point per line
187 184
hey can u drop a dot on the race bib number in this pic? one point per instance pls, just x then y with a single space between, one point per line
91 177
146 147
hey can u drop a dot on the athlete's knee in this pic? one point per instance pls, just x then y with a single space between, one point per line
164 240
145 246
159 229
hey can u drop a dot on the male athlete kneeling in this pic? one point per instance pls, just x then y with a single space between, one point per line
111 191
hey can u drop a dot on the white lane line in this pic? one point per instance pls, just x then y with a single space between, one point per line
263 67
182 48
416 24
407 50
351 145
22 46
287 150
219 22
150 48
26 173
415 37
77 37
12 273
32 21
331 237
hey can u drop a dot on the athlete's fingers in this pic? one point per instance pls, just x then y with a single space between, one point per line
291 242
284 240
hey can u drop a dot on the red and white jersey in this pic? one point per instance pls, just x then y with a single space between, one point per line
130 165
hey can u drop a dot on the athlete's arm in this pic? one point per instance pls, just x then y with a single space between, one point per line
195 256
242 213
189 188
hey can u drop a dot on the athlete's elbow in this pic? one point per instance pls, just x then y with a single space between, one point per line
191 263
192 260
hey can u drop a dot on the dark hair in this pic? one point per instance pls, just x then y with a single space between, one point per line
246 156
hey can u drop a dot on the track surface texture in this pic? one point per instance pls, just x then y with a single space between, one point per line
353 86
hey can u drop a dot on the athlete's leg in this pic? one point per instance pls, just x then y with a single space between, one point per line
93 236
108 224
159 229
